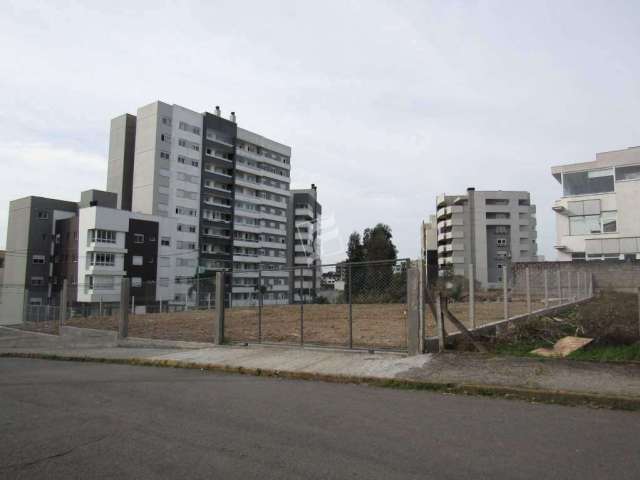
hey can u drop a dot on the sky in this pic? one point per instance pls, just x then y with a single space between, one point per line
385 104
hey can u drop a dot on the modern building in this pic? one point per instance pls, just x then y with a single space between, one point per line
597 216
488 229
227 187
29 248
304 226
2 255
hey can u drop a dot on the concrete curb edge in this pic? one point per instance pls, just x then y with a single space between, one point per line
556 397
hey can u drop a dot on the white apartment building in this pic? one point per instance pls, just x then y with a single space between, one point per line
597 217
305 223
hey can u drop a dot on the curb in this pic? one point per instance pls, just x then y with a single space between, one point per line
555 397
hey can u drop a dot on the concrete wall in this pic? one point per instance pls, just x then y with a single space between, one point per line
607 275
121 153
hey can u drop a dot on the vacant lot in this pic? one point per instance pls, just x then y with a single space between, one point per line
379 326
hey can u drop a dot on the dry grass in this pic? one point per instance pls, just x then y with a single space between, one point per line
377 326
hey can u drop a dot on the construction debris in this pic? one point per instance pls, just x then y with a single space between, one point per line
563 347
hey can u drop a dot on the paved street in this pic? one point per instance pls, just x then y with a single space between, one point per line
63 420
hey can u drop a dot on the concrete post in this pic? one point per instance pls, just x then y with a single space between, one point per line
64 302
578 285
415 344
440 323
133 305
546 289
591 284
219 317
123 320
350 309
638 310
569 294
209 301
260 302
559 281
528 286
472 297
101 305
505 291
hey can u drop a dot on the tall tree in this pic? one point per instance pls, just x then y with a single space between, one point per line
377 243
355 250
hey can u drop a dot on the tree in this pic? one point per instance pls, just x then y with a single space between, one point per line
379 247
355 250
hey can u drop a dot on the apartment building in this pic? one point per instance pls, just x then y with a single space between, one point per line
488 229
597 215
429 248
227 187
305 213
2 255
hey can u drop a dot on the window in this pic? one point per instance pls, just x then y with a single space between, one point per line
102 259
165 137
524 202
497 215
165 241
496 201
43 214
38 259
591 182
136 282
189 128
164 261
152 238
501 242
606 222
166 121
136 260
165 155
35 301
102 236
37 281
138 238
631 172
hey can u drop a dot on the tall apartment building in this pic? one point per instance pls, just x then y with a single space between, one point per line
305 213
227 187
488 229
429 248
597 216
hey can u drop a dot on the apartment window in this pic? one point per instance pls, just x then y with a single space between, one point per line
498 215
606 222
166 121
496 201
189 128
165 137
501 242
165 241
186 211
38 259
164 261
136 282
590 182
102 236
138 238
37 281
165 155
195 163
35 301
523 202
632 172
136 260
103 259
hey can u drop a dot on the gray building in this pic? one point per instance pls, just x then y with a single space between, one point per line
304 215
488 229
29 254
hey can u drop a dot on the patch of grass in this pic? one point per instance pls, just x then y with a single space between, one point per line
617 353
519 349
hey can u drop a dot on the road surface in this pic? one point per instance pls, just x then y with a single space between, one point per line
65 420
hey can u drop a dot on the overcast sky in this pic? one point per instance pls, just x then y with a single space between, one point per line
385 104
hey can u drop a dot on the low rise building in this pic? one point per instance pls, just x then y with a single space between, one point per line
597 215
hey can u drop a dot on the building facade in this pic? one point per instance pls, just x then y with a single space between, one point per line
488 229
305 213
227 187
596 217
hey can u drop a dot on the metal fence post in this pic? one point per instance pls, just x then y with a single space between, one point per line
133 305
209 301
123 321
415 345
219 316
569 296
559 280
64 301
301 306
505 291
578 285
350 309
101 305
528 286
472 297
260 301
591 284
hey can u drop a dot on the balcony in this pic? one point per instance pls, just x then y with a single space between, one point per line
215 138
445 212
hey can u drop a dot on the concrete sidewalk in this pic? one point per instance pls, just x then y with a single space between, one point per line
544 380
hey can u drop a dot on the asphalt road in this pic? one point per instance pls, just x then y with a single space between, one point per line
64 420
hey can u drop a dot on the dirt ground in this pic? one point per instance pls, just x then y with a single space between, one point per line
376 326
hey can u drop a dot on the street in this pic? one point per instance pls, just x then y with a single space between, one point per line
64 420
